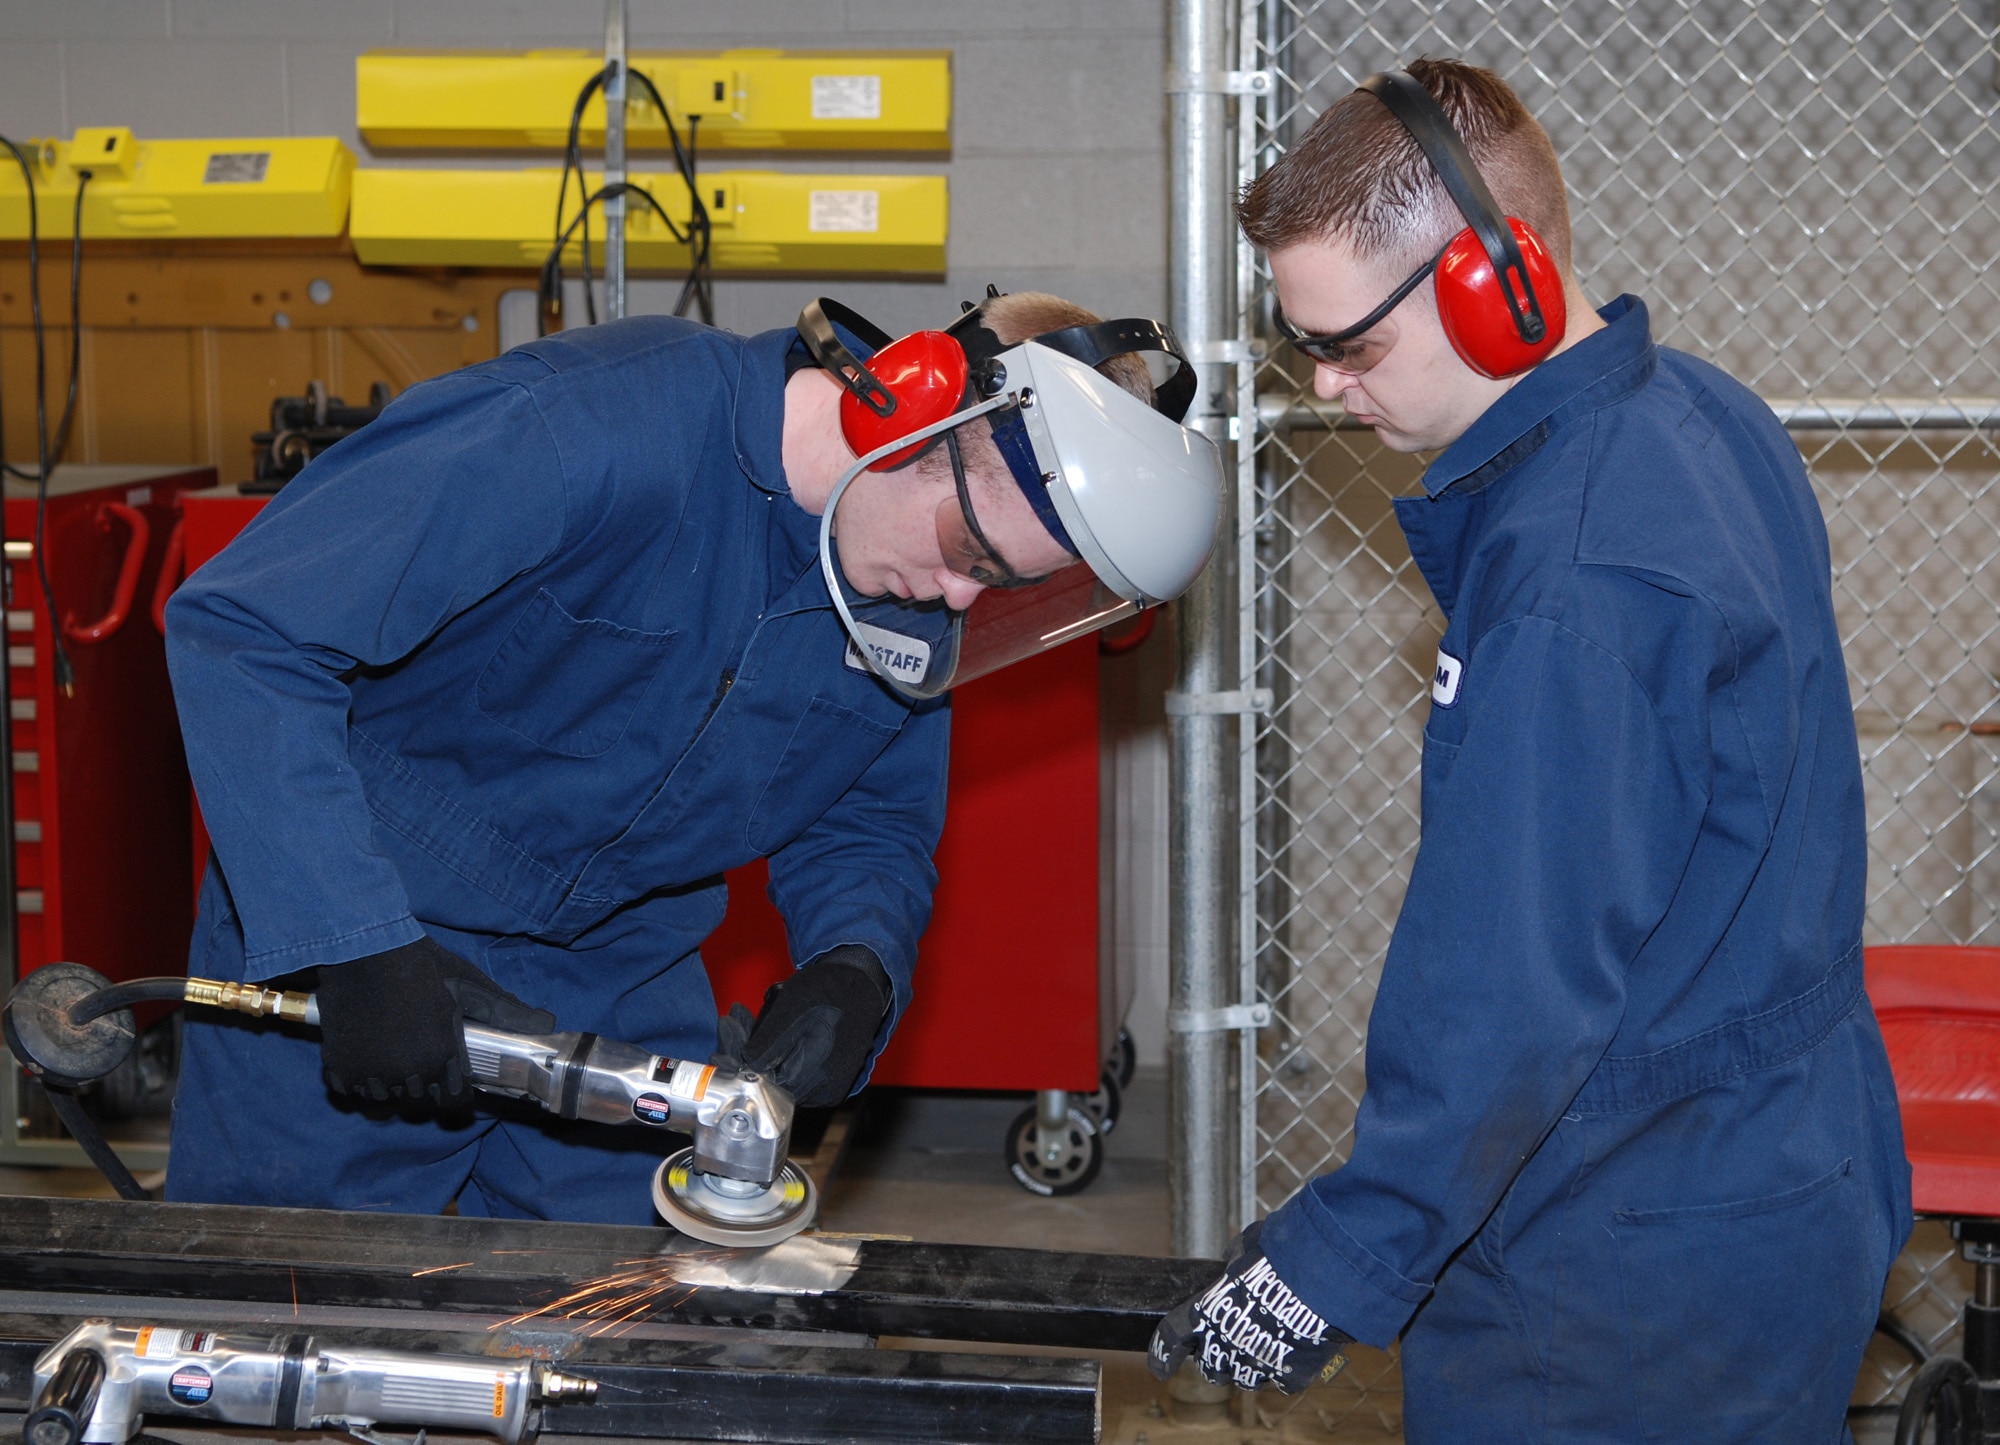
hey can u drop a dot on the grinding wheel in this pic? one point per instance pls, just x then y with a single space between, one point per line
731 1212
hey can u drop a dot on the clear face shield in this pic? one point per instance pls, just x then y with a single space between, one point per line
1026 558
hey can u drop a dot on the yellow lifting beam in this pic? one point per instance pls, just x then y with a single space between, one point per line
760 220
280 186
747 99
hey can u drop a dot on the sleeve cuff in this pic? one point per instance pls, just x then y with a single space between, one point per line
322 952
1330 1270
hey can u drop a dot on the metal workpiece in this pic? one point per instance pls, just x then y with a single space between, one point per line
1203 744
305 1258
724 1388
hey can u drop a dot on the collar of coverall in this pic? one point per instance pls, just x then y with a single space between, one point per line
769 360
1597 371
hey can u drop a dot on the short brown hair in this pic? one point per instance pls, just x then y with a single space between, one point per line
1358 176
1022 315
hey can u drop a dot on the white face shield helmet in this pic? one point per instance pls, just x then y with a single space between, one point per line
1109 506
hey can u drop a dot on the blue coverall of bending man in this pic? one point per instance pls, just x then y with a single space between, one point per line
1628 1165
483 705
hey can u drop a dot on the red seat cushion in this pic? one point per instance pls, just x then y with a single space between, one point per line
1939 1007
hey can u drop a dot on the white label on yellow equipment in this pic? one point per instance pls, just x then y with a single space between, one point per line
844 211
847 97
236 168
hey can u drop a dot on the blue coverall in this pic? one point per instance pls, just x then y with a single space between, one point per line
526 665
1629 1165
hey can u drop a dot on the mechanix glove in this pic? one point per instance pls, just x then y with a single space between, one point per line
392 1025
816 1030
1249 1330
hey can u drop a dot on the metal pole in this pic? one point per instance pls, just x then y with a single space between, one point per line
614 159
1962 413
1202 843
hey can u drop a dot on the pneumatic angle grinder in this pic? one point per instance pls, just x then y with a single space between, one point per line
734 1187
96 1385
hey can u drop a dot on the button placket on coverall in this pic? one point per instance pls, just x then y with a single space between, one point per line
1628 1165
527 665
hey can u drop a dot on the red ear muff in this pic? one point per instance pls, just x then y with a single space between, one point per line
926 374
1474 309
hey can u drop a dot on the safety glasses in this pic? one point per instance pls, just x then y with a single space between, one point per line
965 549
1352 351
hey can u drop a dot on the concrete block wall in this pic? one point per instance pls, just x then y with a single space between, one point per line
1057 172
1057 176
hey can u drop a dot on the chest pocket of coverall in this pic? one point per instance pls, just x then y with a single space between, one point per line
566 683
829 749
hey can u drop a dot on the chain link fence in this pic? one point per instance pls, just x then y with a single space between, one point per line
1803 193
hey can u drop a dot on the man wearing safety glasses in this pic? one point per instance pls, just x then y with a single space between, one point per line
1628 1164
482 707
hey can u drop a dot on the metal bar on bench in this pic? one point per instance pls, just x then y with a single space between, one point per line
786 1395
495 1266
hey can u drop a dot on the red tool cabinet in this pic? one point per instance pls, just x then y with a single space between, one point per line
100 783
1007 985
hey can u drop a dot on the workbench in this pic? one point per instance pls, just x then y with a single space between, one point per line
687 1342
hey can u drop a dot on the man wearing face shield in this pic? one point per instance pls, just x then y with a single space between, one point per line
485 703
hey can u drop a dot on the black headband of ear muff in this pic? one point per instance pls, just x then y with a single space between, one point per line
816 324
1442 146
1093 345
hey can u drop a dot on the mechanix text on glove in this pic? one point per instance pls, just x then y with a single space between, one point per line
1254 1331
1249 1329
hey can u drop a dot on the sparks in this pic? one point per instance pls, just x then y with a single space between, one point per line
619 1301
439 1269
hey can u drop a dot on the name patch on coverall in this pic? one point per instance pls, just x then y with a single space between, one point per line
907 659
1444 682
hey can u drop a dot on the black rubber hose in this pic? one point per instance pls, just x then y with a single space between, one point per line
124 995
1950 1384
80 1126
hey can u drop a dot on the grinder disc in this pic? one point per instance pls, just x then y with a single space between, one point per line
732 1212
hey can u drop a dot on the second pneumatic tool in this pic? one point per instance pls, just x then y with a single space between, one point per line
97 1384
734 1187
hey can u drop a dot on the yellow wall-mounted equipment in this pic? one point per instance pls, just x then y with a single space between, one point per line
283 186
760 221
747 99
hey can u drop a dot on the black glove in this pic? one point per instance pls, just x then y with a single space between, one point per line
816 1030
1249 1330
392 1025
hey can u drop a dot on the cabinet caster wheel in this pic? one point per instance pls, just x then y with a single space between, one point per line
1124 1058
1078 1155
1103 1106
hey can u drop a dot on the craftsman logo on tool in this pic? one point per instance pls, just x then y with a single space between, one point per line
191 1386
907 659
651 1109
1444 683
